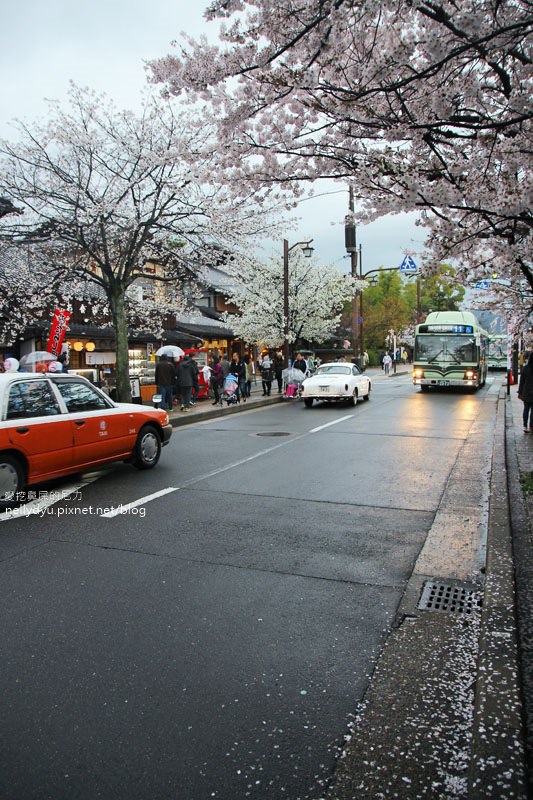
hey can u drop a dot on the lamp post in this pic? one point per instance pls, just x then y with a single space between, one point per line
308 252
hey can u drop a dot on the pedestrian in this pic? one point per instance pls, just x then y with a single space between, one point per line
216 380
237 368
525 393
195 382
249 373
278 366
387 361
366 360
300 363
224 363
186 381
164 377
267 375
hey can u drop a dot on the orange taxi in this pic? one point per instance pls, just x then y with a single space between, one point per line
56 424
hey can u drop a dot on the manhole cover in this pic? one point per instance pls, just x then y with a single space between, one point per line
450 597
274 433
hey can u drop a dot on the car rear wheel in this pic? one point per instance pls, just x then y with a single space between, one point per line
11 479
308 402
147 448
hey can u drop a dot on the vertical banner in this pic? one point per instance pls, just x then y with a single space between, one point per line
57 331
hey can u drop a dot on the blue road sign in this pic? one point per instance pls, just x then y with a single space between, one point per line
408 265
482 285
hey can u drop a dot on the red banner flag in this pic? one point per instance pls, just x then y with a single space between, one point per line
57 331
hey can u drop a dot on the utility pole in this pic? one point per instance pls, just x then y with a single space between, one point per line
350 239
361 339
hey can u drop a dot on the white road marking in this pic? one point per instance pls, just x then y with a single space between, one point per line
123 509
38 506
328 424
241 461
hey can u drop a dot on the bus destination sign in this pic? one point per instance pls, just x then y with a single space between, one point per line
446 329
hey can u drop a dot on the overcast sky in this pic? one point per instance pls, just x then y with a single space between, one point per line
103 44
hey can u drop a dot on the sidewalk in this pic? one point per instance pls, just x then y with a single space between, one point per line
449 703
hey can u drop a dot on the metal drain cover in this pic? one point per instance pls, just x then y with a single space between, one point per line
450 597
274 433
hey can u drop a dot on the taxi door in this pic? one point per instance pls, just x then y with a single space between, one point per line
37 427
99 430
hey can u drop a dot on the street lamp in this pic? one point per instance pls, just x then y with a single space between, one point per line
307 250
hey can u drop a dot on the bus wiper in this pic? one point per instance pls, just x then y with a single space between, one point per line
436 356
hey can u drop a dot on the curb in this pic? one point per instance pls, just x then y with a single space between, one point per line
178 419
497 767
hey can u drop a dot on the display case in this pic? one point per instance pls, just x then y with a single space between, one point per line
147 371
136 358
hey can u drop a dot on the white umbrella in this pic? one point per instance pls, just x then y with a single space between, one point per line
171 350
42 358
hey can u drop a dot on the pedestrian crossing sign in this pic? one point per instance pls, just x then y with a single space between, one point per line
408 265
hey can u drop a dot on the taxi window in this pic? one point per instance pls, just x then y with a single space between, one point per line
80 397
31 399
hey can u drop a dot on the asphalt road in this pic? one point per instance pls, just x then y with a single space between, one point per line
214 639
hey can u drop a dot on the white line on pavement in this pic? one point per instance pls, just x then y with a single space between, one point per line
123 509
328 424
38 506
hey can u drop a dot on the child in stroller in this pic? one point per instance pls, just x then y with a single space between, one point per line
292 383
230 390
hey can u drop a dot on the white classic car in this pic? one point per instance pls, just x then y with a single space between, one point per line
336 381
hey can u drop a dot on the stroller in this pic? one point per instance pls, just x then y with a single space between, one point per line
230 391
292 383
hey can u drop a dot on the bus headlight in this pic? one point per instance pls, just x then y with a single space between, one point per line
418 373
470 375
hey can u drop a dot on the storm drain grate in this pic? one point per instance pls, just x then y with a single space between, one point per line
273 433
450 597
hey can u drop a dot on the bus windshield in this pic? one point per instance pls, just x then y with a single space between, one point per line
438 348
498 348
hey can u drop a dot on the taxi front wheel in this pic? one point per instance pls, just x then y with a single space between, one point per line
11 479
147 448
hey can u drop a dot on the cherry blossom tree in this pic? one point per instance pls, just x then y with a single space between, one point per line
108 194
28 285
421 105
316 298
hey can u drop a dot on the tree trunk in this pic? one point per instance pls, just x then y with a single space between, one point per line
118 313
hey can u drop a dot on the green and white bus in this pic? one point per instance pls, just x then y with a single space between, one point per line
497 358
451 349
